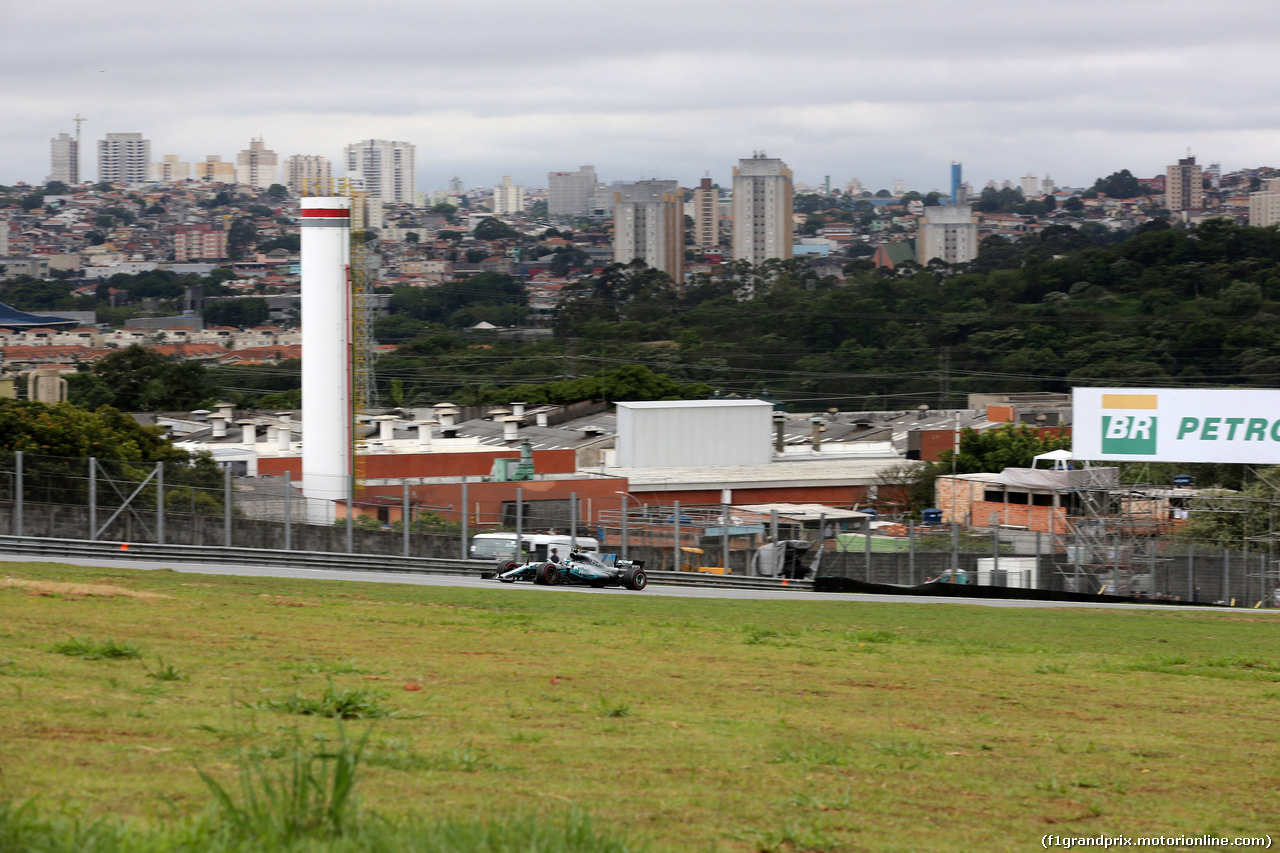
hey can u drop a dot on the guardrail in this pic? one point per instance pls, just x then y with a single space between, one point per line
84 549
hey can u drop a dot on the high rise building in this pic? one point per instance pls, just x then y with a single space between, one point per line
169 170
948 232
455 185
957 179
854 187
1184 186
570 193
1264 205
508 198
213 170
124 158
385 168
64 159
1030 186
1046 186
300 167
899 188
762 201
257 166
648 223
706 216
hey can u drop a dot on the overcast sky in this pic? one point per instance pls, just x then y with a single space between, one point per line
657 88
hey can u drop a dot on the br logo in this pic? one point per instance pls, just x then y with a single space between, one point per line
1133 432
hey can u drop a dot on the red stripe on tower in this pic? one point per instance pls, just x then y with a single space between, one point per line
325 213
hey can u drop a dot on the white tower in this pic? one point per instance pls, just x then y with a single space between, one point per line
326 355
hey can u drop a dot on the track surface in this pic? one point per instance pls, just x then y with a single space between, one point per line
653 589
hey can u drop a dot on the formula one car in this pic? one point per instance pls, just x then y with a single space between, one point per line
577 568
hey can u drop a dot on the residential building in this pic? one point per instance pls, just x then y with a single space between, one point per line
1184 186
1264 208
385 168
169 170
1046 186
64 159
199 243
4 238
302 167
957 181
1030 186
570 193
215 171
948 232
123 158
762 204
508 198
257 166
648 223
899 188
706 216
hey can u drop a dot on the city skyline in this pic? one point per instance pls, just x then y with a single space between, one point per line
659 91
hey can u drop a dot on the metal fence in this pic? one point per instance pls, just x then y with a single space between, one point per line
114 501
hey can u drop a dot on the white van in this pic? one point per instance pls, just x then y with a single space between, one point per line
501 547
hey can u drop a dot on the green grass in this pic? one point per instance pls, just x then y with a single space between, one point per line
536 717
354 703
86 649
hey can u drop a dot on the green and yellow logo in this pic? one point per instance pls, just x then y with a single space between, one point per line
1131 428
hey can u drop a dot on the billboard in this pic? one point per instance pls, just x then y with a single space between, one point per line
1176 425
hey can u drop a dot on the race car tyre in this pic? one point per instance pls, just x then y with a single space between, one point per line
635 579
549 574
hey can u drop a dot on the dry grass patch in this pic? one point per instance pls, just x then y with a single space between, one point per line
79 590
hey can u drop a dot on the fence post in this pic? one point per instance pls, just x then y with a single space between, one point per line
93 498
288 511
464 520
1037 570
226 509
955 548
675 536
404 515
1226 577
995 553
624 526
866 553
519 555
17 488
1191 566
351 514
724 536
911 551
159 503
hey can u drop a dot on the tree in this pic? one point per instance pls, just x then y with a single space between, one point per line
446 210
1009 446
244 312
56 188
241 237
1120 184
412 238
143 381
53 436
279 191
1073 205
491 228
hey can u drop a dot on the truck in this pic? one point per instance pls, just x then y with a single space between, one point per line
501 547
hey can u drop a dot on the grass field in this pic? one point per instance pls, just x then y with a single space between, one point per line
676 724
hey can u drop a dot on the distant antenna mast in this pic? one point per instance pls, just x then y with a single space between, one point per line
75 162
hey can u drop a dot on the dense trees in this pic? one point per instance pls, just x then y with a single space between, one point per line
136 379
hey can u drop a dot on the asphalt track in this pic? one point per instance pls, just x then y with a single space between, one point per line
525 588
